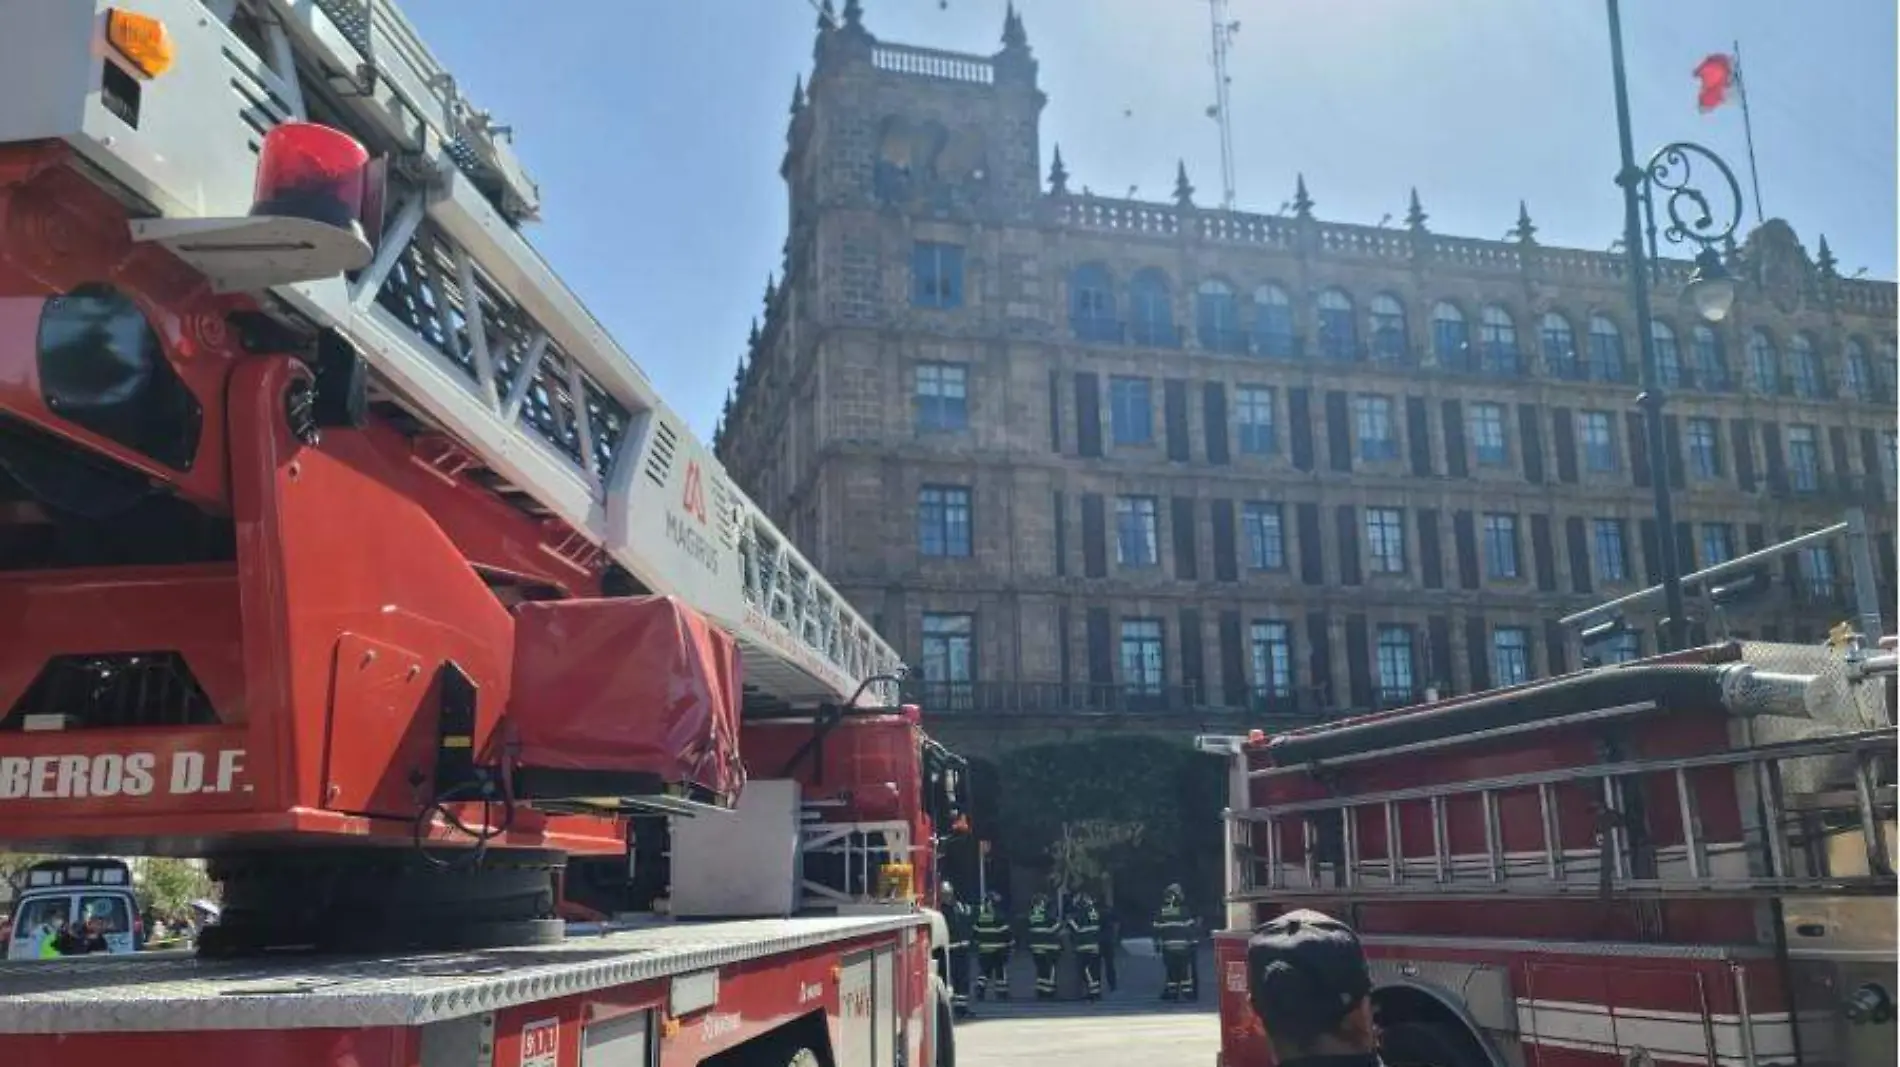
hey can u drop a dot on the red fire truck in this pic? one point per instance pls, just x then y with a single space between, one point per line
340 545
1684 860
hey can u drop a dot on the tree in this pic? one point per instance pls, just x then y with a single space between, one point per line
169 885
13 866
1083 856
1110 786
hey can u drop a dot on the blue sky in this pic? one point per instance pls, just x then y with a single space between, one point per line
656 128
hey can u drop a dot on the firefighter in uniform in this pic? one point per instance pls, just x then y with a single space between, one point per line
993 943
961 920
1085 932
1045 945
1174 939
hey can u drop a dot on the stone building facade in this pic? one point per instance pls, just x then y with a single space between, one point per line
1076 454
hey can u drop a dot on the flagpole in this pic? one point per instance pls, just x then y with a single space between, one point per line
1748 131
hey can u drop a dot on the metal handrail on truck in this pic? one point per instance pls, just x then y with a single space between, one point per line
1331 864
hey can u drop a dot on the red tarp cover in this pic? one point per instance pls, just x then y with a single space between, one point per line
640 685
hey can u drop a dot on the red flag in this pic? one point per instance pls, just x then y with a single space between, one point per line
1716 76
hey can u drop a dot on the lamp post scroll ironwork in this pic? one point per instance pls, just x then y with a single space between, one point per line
1688 208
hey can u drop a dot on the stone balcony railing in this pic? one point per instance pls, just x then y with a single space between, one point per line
1028 700
1377 243
933 63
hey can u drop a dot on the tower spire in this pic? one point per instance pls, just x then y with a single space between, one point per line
798 93
1058 174
1183 189
1014 36
1525 232
1415 213
1302 203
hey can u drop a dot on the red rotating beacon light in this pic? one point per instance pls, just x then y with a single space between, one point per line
311 172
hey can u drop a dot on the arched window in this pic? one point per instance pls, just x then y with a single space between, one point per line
1497 342
1560 345
1451 337
1711 367
1668 356
1764 365
1272 322
1338 339
1092 305
1217 317
1804 367
1151 310
1388 329
1857 371
1606 351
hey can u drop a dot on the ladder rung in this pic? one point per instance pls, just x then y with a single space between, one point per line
1394 845
1349 843
1553 832
1441 848
1873 829
1493 837
1768 783
1276 875
1691 825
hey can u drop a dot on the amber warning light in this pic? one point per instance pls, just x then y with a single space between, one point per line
141 39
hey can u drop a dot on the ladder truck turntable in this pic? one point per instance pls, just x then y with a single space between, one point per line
342 546
1682 860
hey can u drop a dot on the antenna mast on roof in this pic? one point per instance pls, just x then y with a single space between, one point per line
1220 111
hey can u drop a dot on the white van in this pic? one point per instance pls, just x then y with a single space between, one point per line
78 895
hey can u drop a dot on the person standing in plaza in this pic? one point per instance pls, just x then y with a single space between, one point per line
961 920
1085 934
1045 945
993 942
1174 940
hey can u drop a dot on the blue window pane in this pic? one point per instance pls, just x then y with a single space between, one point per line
1217 318
936 272
1338 337
942 398
1253 420
943 521
1273 323
1151 311
1092 305
1131 411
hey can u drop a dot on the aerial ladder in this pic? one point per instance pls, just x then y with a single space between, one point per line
325 504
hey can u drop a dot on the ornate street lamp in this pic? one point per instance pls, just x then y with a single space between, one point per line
1694 220
1710 289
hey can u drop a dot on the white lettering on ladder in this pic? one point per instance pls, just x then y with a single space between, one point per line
113 774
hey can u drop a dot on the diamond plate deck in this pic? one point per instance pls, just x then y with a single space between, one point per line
130 993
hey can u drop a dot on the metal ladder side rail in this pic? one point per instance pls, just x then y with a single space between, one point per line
537 384
1837 744
447 322
1615 868
1641 889
808 596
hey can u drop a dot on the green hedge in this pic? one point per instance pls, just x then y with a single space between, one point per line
1157 794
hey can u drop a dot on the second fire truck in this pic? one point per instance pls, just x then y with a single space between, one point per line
1685 860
